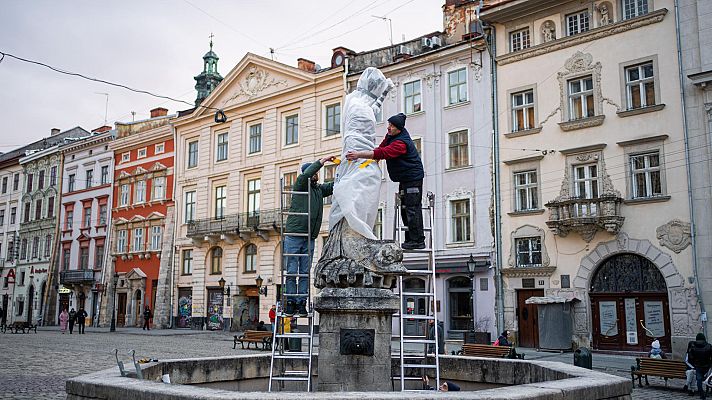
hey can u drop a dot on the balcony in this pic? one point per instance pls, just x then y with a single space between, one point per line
232 226
585 216
77 276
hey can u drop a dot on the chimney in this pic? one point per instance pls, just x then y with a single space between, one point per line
306 65
102 129
54 131
159 112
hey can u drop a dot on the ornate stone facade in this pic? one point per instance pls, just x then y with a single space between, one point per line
675 235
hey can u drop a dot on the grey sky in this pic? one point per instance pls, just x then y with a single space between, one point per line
158 45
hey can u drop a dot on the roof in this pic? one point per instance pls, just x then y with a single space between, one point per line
14 156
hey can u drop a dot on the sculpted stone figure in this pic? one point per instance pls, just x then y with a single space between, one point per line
548 31
605 19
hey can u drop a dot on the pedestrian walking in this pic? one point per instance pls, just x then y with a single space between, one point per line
72 320
63 320
147 315
431 336
272 314
689 373
700 356
405 167
81 319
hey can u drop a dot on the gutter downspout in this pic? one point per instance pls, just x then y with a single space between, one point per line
176 216
687 164
499 297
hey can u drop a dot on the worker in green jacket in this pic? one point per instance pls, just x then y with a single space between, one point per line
299 265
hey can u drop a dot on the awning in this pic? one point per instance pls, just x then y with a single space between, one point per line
550 300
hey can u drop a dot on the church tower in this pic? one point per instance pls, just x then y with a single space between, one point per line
209 78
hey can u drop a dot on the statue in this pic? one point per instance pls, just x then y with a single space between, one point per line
352 256
605 19
549 32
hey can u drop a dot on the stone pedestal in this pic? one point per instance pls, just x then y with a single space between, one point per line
355 339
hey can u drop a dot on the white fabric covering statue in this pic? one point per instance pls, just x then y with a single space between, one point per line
357 185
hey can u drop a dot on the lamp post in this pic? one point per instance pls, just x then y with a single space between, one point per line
113 306
261 290
471 265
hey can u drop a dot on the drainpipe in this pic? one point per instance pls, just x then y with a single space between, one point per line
499 283
687 164
171 298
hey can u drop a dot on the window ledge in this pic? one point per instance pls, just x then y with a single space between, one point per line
290 146
645 200
257 153
527 212
641 110
522 133
334 136
456 105
459 244
458 168
582 123
415 114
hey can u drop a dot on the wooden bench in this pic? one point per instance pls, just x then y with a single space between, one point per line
489 351
23 326
256 337
666 369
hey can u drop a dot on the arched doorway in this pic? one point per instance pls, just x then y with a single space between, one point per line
629 305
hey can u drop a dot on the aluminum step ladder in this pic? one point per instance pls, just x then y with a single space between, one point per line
284 364
421 361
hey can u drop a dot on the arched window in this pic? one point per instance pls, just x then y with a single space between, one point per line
251 258
628 273
216 260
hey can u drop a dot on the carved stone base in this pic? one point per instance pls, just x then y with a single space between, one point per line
355 339
351 260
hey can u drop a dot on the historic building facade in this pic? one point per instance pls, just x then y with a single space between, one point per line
594 194
86 190
442 85
141 221
228 185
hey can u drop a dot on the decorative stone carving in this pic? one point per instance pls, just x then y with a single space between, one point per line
604 17
351 260
459 193
528 231
577 64
548 31
675 235
256 81
622 240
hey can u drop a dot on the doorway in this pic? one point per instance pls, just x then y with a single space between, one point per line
30 305
137 309
527 318
121 310
63 304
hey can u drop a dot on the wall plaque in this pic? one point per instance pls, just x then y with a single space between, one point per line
631 325
608 316
654 322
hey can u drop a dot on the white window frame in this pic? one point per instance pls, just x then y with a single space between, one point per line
158 187
591 184
529 188
525 108
520 39
189 214
188 160
137 242
467 149
89 173
142 153
104 176
640 84
159 148
256 137
582 95
222 140
530 251
287 117
220 201
121 240
187 262
578 22
254 196
635 8
327 130
458 86
140 189
156 237
647 171
126 157
412 97
250 259
451 222
378 225
124 191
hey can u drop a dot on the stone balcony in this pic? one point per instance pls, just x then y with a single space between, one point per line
585 216
231 227
76 276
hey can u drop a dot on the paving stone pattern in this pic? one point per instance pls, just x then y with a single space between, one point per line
35 366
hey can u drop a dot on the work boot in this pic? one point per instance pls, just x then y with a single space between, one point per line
289 309
413 246
302 310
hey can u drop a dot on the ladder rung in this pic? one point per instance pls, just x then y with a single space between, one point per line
295 213
293 354
295 255
297 275
294 192
408 378
289 356
422 341
409 355
296 234
290 378
432 366
418 294
296 372
419 271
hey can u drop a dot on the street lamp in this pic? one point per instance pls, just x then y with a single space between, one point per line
471 265
261 290
113 307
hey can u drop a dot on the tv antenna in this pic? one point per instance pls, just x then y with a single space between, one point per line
390 25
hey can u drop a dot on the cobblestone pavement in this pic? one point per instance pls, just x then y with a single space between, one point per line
35 366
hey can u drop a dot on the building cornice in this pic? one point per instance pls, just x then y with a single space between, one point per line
141 138
577 40
87 142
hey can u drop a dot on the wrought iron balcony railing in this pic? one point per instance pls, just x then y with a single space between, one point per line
76 276
235 223
585 216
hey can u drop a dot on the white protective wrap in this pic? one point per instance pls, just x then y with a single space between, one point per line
357 184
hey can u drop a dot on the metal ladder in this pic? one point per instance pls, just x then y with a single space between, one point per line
279 374
424 362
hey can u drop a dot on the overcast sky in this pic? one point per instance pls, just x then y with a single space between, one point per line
158 46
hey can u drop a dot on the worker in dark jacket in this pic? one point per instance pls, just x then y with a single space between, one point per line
406 168
298 265
700 356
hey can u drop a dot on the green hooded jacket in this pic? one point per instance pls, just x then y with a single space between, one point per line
298 223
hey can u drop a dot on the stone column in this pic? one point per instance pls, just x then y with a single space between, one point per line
355 339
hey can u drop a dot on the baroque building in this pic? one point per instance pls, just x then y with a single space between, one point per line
442 86
141 222
84 221
593 180
228 185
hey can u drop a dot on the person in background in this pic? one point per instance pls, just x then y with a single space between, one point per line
63 320
656 351
689 373
502 339
147 315
72 320
261 326
446 386
700 356
81 319
272 314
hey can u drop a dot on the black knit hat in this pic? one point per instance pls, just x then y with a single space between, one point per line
398 121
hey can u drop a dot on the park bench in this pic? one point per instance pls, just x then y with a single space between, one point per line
23 326
667 369
489 351
256 337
